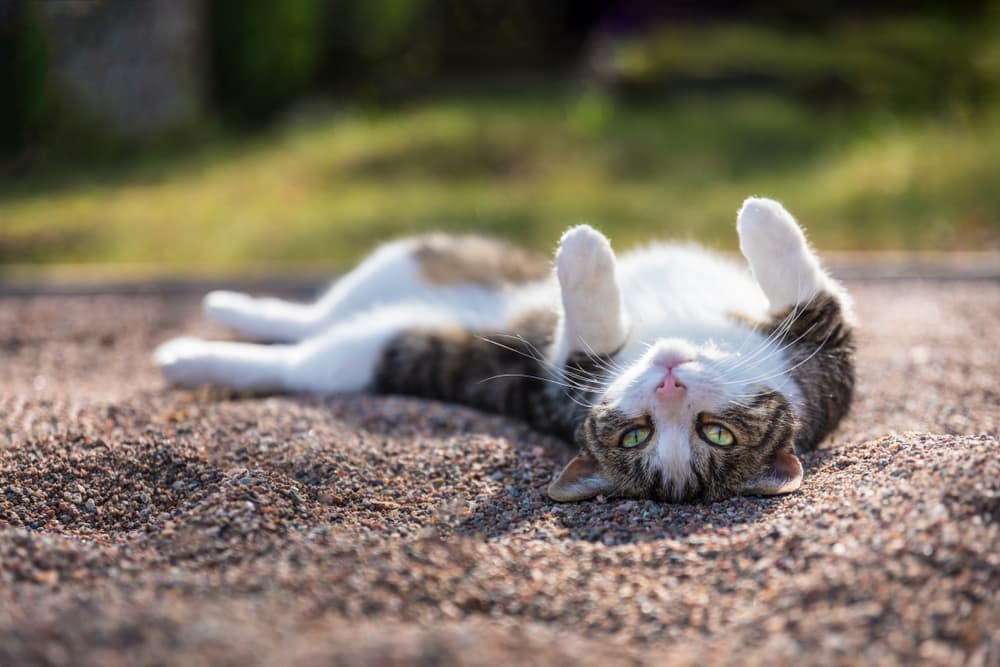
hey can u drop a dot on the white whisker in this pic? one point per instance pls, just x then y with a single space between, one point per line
542 379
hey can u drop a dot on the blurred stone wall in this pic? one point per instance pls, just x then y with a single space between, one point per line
134 65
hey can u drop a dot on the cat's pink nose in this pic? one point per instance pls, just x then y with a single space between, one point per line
671 386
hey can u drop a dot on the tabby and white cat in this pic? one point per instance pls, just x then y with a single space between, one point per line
679 375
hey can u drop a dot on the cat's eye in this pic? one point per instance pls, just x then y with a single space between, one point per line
716 434
636 437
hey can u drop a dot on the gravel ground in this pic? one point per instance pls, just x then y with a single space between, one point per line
142 526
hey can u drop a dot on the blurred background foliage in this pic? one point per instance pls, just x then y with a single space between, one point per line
262 54
324 126
23 75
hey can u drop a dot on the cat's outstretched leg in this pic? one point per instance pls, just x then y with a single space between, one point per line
593 319
390 274
193 362
782 262
343 359
263 318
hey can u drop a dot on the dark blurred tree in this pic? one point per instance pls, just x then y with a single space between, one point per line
263 53
398 48
24 64
392 48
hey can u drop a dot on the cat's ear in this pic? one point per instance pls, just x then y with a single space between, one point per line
579 480
781 474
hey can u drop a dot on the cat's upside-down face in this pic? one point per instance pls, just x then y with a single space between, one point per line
685 423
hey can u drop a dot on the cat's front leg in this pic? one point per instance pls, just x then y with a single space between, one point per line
782 262
593 319
811 320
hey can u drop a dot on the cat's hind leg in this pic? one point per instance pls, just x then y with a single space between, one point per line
263 318
389 275
593 319
193 362
343 359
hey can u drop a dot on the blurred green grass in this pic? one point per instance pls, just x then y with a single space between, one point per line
325 190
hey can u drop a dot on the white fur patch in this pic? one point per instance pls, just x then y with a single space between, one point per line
192 362
672 456
388 276
261 318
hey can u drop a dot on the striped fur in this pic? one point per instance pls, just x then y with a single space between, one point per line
495 372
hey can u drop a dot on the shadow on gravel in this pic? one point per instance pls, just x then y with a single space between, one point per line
521 505
517 478
611 521
814 460
525 507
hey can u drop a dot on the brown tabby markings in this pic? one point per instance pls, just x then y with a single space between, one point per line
496 372
822 359
449 260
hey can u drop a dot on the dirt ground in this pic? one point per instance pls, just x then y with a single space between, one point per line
142 526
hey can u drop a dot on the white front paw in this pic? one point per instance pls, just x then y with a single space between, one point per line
767 230
184 361
782 263
593 318
584 258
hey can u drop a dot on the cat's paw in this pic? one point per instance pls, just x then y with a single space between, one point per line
584 258
767 230
184 362
593 316
227 308
780 257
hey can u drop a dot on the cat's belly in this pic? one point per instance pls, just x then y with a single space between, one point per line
681 283
679 291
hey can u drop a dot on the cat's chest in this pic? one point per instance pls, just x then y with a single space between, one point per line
671 290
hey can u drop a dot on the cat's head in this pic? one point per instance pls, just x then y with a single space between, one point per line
682 423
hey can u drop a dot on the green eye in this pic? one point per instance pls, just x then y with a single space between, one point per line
636 437
716 434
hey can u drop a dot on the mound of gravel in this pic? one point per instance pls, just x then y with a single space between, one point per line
145 526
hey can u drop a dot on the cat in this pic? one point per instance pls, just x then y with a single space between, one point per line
678 374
